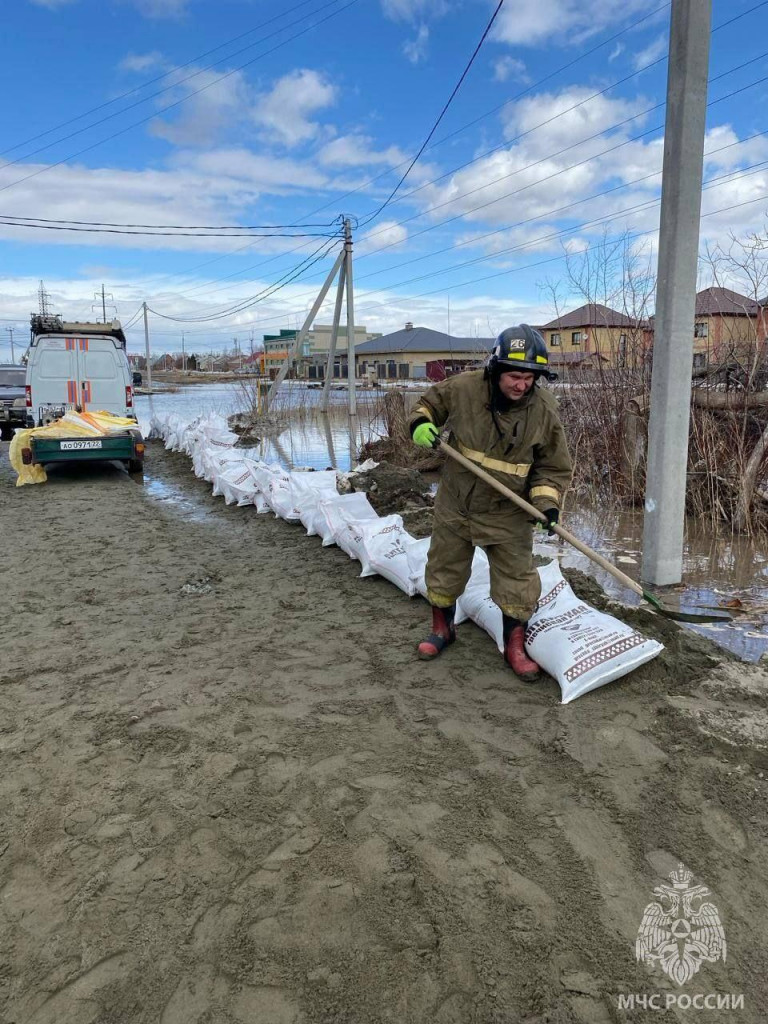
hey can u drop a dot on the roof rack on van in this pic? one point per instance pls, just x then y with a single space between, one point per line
53 324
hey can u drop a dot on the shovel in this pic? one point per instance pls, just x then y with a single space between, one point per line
617 574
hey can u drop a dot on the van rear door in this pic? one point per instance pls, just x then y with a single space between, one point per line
103 377
53 376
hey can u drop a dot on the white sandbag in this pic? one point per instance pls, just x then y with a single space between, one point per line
476 604
279 494
417 563
236 481
335 513
581 647
384 551
308 490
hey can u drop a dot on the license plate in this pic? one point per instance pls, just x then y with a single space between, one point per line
71 446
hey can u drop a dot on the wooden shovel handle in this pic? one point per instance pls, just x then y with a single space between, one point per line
534 512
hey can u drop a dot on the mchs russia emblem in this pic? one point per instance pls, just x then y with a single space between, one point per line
682 930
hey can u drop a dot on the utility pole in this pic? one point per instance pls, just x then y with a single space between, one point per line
103 296
10 331
299 340
342 267
350 317
146 349
664 522
332 342
183 354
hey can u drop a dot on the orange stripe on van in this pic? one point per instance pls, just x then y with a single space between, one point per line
86 391
72 392
69 344
83 344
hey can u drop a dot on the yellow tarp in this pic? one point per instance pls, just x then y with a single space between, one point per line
71 424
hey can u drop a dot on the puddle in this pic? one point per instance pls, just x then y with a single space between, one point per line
174 497
715 571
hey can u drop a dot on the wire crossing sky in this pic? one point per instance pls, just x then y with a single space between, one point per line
198 155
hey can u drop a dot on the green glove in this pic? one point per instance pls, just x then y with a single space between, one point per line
426 435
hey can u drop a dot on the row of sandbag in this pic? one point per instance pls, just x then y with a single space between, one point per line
581 647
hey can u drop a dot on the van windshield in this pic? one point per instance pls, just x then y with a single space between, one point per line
11 376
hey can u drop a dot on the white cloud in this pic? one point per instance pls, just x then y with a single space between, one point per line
657 48
208 116
209 187
525 192
387 234
141 62
616 52
357 151
571 116
286 110
161 8
416 49
522 22
414 10
510 68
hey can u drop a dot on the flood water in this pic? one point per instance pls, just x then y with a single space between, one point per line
715 570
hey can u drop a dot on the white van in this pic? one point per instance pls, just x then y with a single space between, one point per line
76 366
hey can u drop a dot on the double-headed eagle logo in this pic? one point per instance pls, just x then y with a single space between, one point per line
681 931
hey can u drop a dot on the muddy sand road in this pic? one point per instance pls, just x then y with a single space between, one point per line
230 794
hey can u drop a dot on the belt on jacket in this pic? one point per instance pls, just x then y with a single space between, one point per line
512 468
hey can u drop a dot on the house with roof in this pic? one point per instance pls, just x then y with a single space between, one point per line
725 322
415 353
595 335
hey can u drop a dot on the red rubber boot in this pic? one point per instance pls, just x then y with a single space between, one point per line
443 633
525 668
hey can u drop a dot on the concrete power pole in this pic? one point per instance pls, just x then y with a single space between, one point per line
13 354
663 528
146 349
350 317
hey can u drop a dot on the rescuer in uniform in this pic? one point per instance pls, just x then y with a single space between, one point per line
503 421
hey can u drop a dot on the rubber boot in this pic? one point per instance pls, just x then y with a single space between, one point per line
443 633
514 650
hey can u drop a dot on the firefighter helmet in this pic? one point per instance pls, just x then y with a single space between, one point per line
521 348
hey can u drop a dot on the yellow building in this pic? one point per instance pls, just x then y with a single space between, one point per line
725 324
595 334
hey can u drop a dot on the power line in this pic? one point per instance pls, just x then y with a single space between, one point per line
240 307
567 148
535 85
548 177
201 227
712 183
156 234
442 114
158 78
143 120
564 67
513 99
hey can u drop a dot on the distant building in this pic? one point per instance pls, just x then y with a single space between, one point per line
419 353
616 340
310 363
724 322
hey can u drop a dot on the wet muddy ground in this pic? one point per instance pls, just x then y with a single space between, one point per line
230 793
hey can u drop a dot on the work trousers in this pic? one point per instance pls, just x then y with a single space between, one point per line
506 536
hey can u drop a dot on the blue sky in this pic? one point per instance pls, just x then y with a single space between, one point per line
253 137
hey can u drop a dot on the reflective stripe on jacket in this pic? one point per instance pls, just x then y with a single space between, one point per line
525 448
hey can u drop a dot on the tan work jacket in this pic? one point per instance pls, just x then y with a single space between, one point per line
530 456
